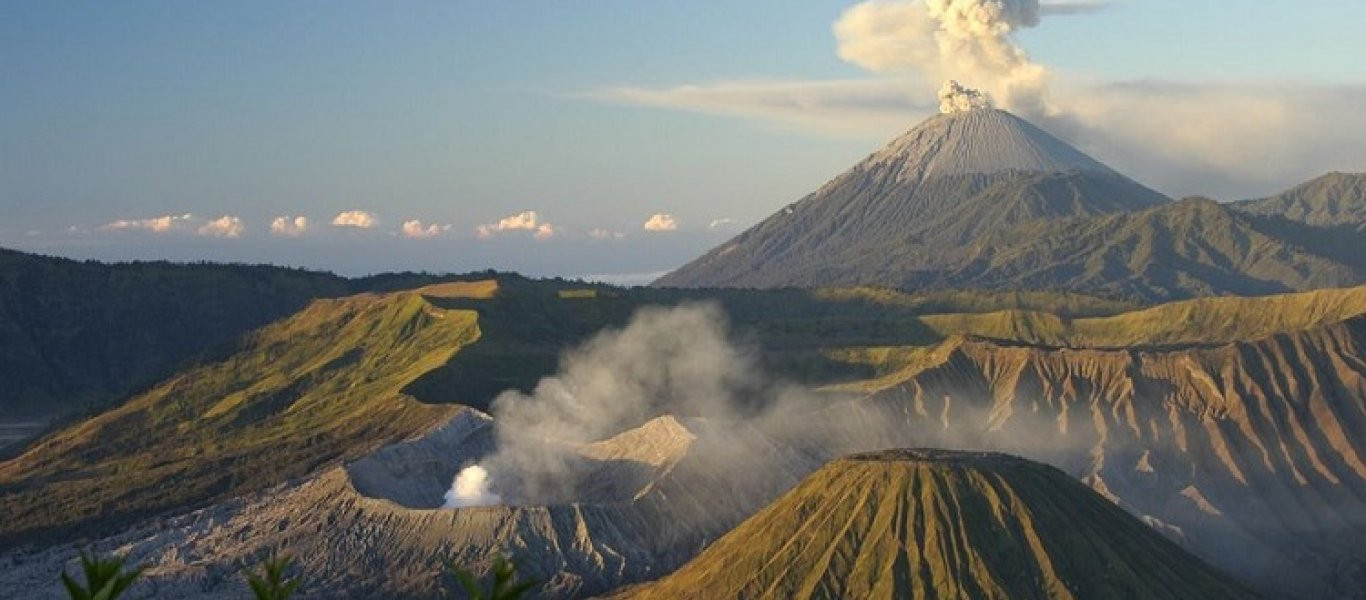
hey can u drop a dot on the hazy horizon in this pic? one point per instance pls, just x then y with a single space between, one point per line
616 138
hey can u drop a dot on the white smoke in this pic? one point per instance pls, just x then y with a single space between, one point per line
470 488
750 430
950 39
954 97
677 361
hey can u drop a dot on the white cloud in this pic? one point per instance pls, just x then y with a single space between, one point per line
1226 140
415 229
355 218
1072 7
843 107
599 233
723 222
289 226
522 221
545 231
661 222
226 226
160 224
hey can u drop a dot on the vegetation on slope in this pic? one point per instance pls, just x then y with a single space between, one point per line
1332 200
935 524
79 335
1195 247
325 385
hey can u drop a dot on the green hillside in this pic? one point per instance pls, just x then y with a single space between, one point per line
79 335
937 524
327 384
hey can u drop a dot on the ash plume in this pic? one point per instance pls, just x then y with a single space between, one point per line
968 40
955 97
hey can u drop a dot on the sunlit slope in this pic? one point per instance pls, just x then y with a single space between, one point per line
325 385
935 524
1250 453
1199 321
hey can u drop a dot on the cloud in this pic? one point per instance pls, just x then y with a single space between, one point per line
1077 7
415 229
522 221
226 226
355 218
599 233
661 222
966 40
1229 141
160 224
1226 140
289 226
725 222
869 107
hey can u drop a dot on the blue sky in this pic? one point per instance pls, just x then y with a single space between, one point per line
595 115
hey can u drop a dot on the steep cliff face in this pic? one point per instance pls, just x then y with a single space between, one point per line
937 524
1248 453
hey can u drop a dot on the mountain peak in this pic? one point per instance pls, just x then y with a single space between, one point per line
982 140
942 524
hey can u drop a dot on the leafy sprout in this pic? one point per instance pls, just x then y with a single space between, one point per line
503 584
270 583
105 577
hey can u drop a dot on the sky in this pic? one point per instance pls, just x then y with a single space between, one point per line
615 139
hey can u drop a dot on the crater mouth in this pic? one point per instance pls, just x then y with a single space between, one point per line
419 474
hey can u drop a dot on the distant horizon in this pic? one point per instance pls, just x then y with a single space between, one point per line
615 138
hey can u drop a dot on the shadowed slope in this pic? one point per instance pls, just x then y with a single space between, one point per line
1333 200
917 205
937 524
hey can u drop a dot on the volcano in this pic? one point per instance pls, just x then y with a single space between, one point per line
918 205
942 524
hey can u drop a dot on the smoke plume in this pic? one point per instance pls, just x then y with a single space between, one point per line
749 433
954 97
470 488
969 40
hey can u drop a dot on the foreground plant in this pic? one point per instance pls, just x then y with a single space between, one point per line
105 577
270 582
504 584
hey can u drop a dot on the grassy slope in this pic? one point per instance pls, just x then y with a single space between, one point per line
77 336
1191 248
325 385
942 525
346 375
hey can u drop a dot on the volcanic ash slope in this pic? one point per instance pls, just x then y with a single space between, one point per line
634 507
939 524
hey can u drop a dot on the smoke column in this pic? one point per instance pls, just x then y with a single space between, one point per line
968 40
954 97
470 488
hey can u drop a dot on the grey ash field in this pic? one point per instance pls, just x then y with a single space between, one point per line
1116 395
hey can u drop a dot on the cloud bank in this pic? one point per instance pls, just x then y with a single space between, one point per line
526 221
288 226
416 230
226 226
355 218
160 224
661 222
